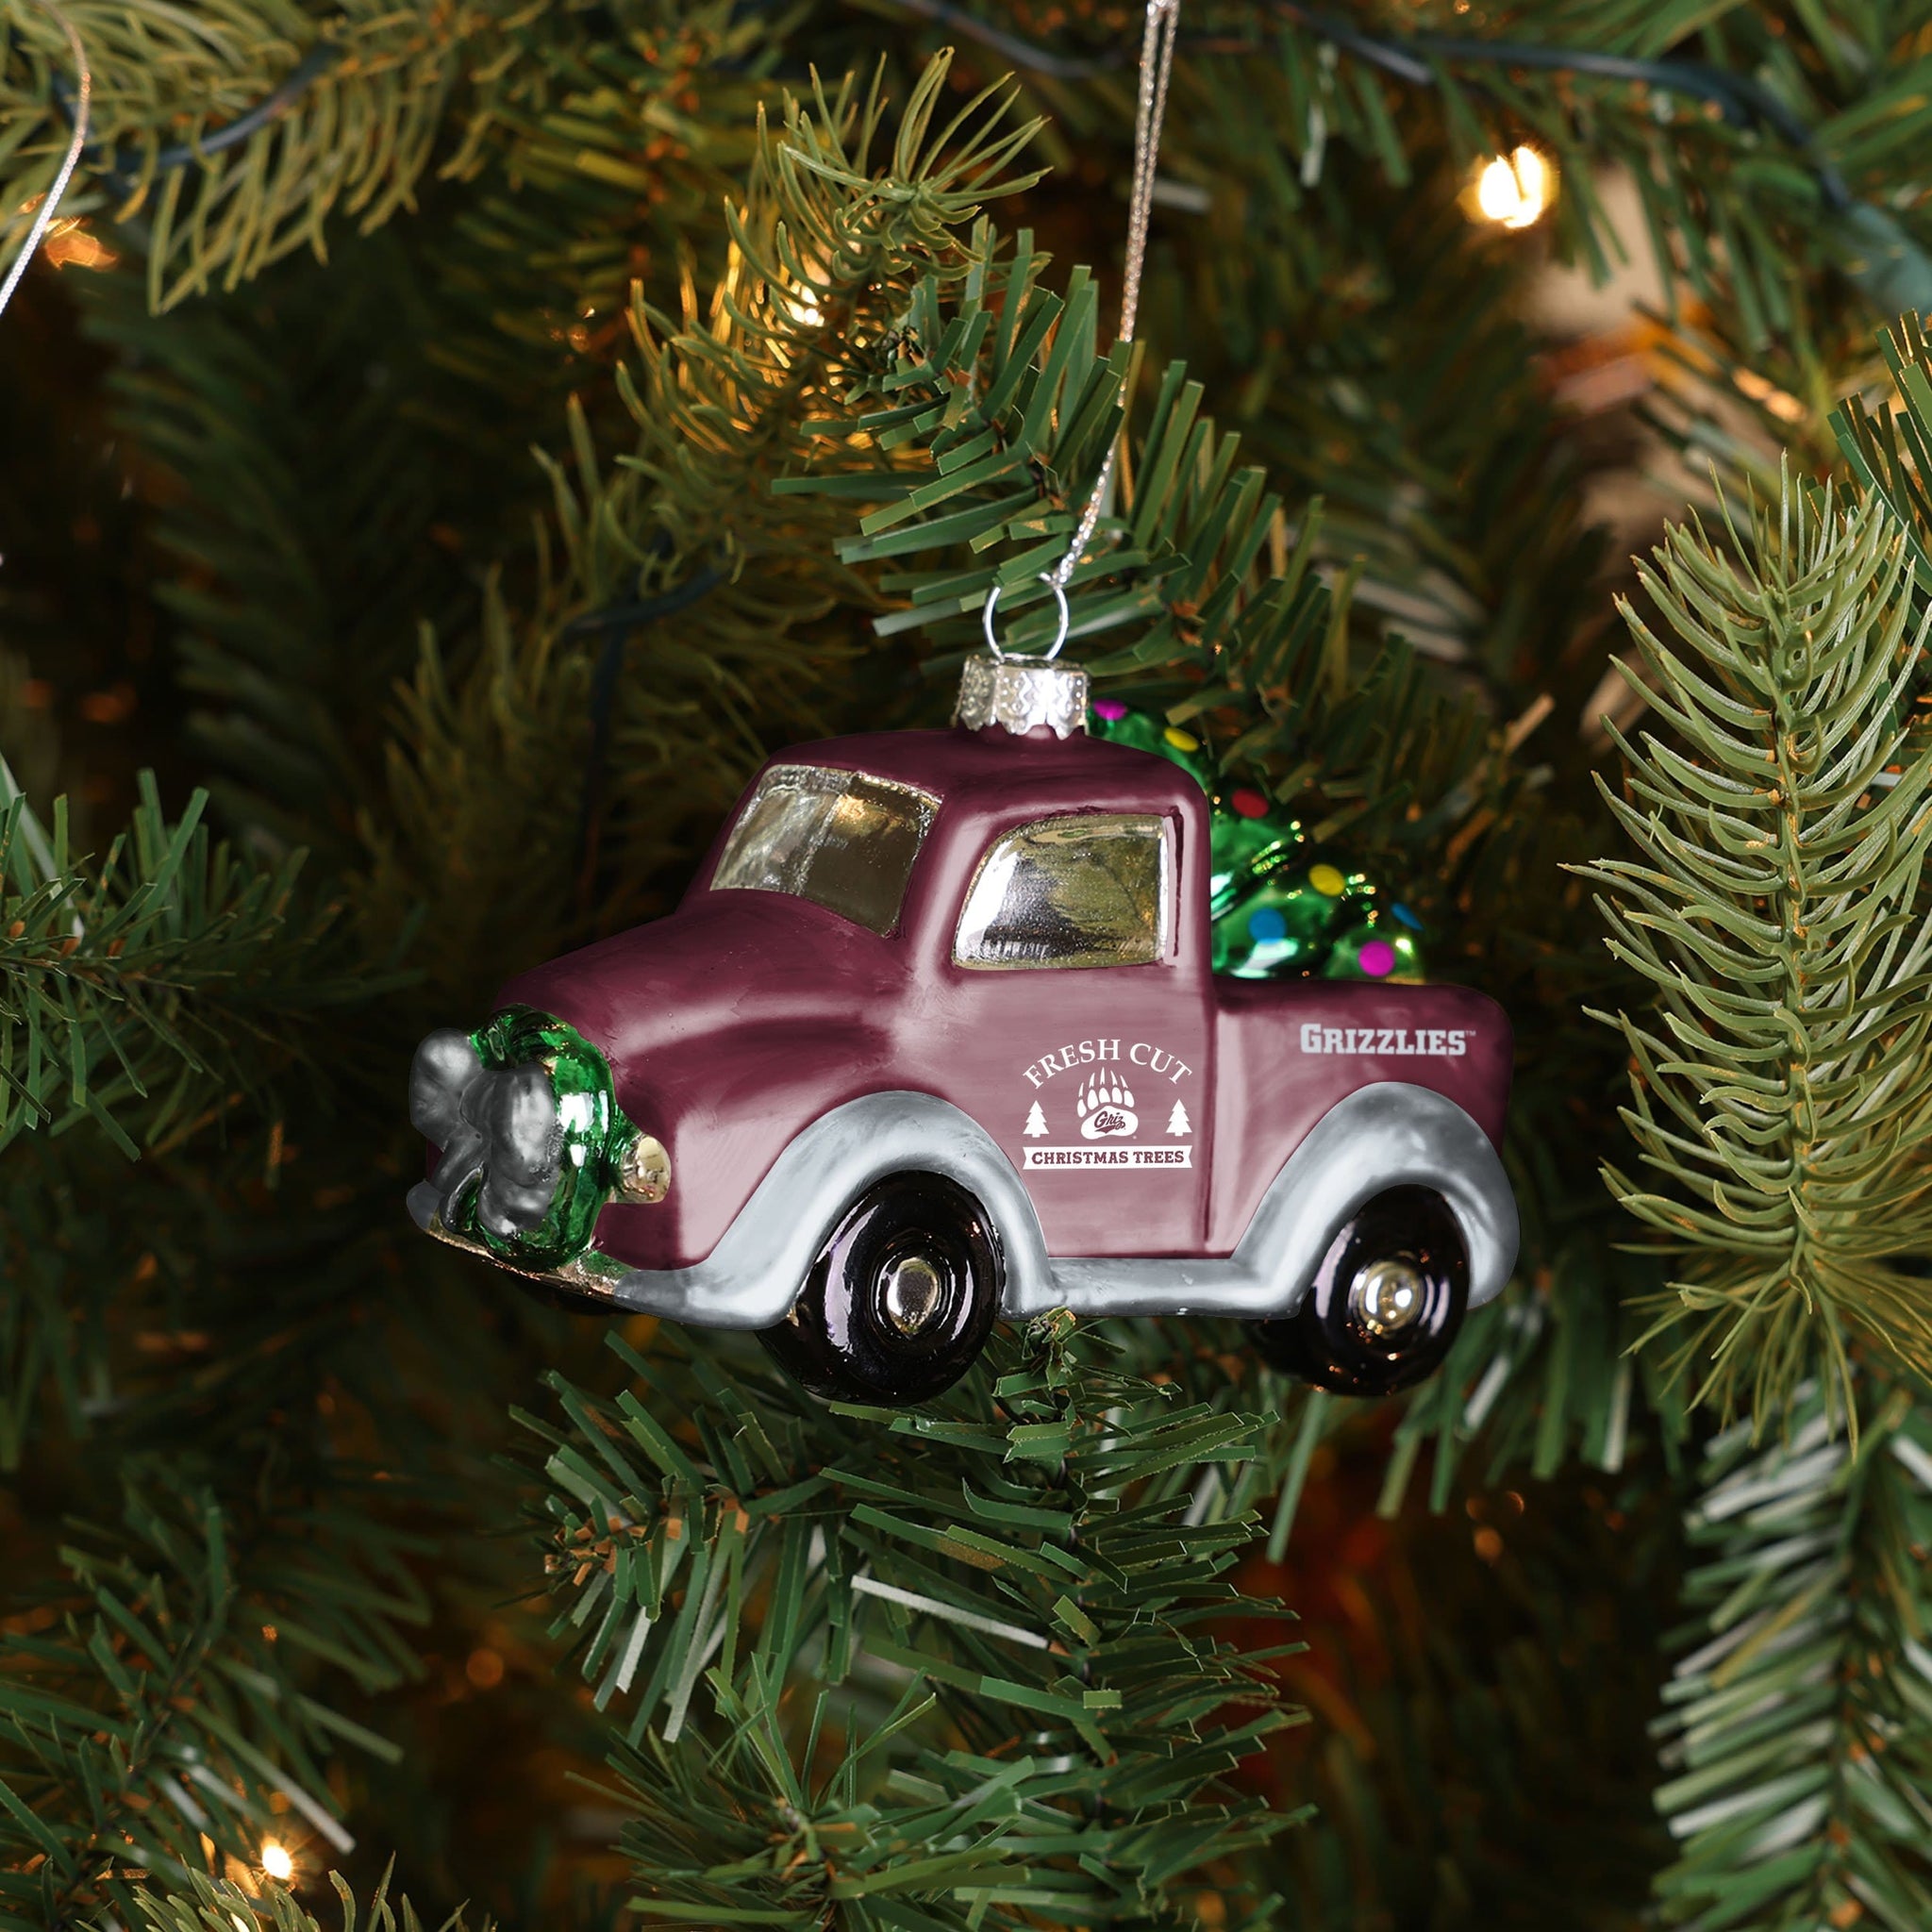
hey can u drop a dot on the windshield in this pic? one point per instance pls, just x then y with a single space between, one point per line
841 840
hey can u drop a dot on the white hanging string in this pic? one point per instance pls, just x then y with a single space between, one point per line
1156 64
83 93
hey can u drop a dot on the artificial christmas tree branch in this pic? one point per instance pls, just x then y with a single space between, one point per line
1888 447
1798 1734
176 965
1000 410
356 137
277 482
1782 1090
305 463
830 234
165 1702
355 120
1887 261
957 1667
206 1905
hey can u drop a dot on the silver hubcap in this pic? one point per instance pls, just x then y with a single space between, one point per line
1386 1298
913 1296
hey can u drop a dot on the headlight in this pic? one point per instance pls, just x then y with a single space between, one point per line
532 1140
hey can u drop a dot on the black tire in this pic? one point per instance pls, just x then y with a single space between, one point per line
1403 1256
901 1299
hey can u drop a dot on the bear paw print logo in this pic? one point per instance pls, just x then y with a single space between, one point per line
1105 1108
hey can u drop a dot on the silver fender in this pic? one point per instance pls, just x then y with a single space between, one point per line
1382 1136
751 1278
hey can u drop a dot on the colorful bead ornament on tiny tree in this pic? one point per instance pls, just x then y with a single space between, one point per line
1282 909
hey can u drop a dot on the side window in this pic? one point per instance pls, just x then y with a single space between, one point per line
1089 889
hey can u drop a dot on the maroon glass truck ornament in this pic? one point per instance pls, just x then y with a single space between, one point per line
934 1038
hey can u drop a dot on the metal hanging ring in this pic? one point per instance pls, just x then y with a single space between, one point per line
1060 598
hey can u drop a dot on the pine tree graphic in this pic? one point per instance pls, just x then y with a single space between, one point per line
1036 1122
1177 1122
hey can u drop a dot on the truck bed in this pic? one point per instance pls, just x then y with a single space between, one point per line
1288 1050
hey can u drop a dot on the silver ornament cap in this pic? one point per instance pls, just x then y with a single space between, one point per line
1020 694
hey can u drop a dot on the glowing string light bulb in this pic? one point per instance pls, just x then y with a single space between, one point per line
276 1861
1515 189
